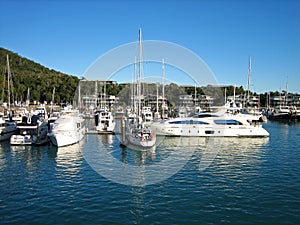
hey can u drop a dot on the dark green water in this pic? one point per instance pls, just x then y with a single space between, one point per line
249 181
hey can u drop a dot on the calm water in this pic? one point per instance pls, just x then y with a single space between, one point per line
250 181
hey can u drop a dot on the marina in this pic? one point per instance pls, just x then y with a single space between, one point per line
250 181
195 120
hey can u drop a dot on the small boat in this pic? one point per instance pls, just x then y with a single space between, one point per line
147 114
7 129
32 131
104 121
68 129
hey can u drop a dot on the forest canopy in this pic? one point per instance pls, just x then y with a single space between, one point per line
39 80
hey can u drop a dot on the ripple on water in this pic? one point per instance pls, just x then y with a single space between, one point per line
249 181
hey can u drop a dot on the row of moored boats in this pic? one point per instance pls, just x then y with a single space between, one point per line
37 128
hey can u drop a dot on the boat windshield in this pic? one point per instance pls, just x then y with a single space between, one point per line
188 122
228 122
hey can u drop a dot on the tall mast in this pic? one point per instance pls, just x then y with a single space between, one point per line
225 89
156 97
53 94
286 92
248 81
105 98
195 94
79 98
163 87
234 94
96 94
8 81
139 92
28 96
134 94
2 97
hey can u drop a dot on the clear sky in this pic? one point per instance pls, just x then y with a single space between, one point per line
69 35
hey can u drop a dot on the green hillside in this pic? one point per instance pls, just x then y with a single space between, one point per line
40 80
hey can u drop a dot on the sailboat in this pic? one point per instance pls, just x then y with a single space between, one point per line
7 126
104 121
137 133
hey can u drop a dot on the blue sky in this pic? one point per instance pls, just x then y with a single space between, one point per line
69 35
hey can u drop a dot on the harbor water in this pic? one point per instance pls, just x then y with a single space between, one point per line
247 181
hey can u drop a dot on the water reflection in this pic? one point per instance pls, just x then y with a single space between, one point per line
127 166
69 159
227 152
139 207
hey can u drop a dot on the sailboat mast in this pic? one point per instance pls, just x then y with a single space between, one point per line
134 94
8 83
156 97
234 94
28 96
163 87
53 94
139 72
248 81
2 97
286 92
79 93
96 94
195 98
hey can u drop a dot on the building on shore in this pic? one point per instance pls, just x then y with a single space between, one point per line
285 99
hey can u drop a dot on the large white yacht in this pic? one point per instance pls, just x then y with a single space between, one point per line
68 129
206 124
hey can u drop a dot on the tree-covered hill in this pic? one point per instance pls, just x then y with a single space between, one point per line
40 80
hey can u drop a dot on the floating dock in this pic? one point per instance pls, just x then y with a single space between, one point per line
98 132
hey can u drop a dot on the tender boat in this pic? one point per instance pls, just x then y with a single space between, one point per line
208 124
104 121
32 130
147 114
68 129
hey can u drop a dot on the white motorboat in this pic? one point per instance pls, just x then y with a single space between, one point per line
209 124
7 129
104 121
68 129
147 114
32 130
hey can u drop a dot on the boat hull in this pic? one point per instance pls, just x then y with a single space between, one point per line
7 129
65 139
137 142
21 140
68 129
227 126
6 134
29 134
